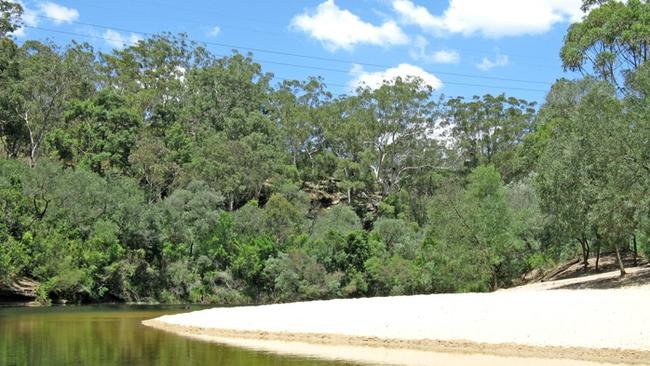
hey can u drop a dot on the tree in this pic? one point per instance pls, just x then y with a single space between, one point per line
227 96
297 108
397 237
190 215
13 133
153 74
239 169
489 130
472 235
339 218
397 126
48 80
99 133
589 176
611 41
298 277
10 17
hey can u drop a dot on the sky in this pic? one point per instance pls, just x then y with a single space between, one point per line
458 47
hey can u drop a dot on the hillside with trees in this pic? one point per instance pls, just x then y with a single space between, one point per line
162 173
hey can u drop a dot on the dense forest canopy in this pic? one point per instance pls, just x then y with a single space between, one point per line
160 172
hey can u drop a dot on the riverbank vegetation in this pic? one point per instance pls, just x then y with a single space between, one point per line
160 172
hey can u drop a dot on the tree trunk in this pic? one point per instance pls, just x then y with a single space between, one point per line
636 252
584 244
598 245
618 259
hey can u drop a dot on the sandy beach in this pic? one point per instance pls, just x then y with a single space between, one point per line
520 326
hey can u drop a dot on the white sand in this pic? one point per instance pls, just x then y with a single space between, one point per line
569 318
616 321
392 356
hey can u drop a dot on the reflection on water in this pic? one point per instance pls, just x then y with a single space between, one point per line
113 335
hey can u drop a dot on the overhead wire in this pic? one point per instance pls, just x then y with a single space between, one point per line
312 57
279 63
266 21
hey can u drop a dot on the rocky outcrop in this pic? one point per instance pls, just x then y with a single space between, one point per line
323 194
18 290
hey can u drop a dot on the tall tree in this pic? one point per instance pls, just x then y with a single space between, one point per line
99 133
398 128
489 130
49 79
611 41
588 179
10 17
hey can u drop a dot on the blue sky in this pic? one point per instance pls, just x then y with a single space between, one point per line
460 47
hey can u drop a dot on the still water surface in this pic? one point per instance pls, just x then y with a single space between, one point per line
113 336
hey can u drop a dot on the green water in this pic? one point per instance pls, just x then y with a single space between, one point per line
113 335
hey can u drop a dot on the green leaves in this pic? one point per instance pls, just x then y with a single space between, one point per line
10 14
489 130
473 235
611 41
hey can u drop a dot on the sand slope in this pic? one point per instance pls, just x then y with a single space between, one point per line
572 322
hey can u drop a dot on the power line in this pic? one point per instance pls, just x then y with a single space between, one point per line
287 64
265 21
319 58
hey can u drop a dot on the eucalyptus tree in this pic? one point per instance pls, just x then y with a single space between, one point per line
397 127
49 79
98 132
10 17
590 179
297 107
472 241
489 130
227 95
13 133
611 40
152 74
347 139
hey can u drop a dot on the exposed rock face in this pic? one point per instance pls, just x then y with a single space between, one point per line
323 194
18 290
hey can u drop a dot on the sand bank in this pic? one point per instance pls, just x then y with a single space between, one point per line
593 326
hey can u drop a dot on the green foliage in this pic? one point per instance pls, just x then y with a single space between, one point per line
473 235
611 40
298 276
159 172
394 275
397 237
10 17
489 129
99 133
341 219
14 257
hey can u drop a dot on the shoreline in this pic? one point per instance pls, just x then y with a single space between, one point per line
520 326
504 352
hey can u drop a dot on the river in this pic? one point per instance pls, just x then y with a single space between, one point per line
108 335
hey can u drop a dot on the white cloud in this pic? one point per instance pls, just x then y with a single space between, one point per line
55 13
214 31
58 14
376 79
117 40
337 28
499 61
494 18
420 53
446 57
